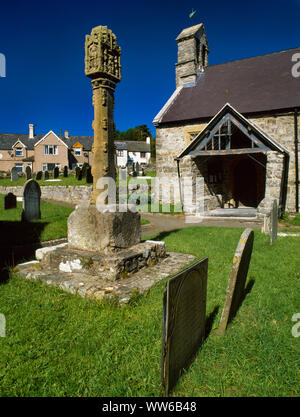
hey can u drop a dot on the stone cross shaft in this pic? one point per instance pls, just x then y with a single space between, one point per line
102 65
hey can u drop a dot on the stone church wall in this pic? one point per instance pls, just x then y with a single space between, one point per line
171 140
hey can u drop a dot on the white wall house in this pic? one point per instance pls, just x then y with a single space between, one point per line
131 152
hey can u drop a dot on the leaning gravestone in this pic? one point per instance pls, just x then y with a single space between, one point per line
46 175
273 222
14 176
31 201
237 279
28 173
184 313
10 201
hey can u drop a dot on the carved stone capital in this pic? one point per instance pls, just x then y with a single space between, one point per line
102 54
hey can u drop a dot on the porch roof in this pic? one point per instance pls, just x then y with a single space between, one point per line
260 141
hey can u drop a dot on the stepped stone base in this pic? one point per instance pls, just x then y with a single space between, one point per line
97 287
110 267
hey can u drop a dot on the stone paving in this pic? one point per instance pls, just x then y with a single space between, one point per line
92 286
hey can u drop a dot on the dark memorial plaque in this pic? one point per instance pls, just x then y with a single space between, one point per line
184 314
273 222
237 279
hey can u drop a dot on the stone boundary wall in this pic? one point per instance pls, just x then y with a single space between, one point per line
70 194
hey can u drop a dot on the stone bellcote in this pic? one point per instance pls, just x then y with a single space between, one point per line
192 54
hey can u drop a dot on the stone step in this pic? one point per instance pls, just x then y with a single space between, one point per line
111 267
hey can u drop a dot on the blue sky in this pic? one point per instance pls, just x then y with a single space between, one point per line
43 43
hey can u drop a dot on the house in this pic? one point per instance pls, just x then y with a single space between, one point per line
45 152
235 125
130 152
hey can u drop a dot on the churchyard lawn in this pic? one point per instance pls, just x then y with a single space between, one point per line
70 180
58 344
52 225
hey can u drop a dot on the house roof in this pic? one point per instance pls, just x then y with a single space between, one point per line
137 146
260 84
7 140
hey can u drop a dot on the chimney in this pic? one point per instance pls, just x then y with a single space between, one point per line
31 131
66 134
192 54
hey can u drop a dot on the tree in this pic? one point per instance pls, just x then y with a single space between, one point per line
138 133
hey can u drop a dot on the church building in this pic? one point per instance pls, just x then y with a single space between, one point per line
235 125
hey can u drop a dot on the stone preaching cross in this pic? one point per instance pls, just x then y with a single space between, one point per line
102 65
94 228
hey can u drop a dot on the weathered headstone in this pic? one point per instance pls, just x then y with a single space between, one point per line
10 201
65 171
237 279
273 222
88 176
83 170
39 175
77 172
123 174
137 168
184 314
28 172
31 201
14 176
56 172
46 175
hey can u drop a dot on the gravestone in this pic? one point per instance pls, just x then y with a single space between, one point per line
65 171
31 201
184 314
56 172
10 201
83 170
237 279
28 172
14 176
137 168
88 176
46 175
273 222
123 174
77 172
39 175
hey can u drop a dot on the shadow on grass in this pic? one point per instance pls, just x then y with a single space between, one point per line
210 321
19 242
244 294
163 235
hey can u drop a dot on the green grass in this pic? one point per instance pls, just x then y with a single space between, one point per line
52 225
58 344
290 221
70 181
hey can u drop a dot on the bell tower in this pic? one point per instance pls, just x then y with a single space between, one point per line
192 54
